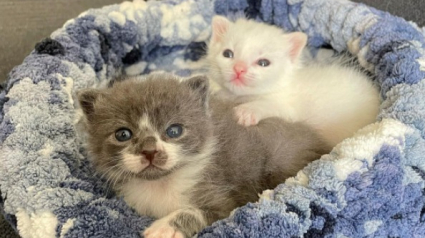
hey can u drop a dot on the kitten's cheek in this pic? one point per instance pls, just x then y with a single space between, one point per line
134 163
174 154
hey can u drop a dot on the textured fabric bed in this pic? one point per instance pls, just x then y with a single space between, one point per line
371 185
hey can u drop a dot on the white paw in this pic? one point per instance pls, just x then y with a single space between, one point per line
162 229
246 116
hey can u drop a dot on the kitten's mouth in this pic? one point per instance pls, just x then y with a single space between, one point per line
238 81
152 172
151 167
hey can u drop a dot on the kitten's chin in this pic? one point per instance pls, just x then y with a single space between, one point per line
153 173
249 89
238 89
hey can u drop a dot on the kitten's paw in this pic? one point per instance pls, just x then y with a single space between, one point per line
162 229
246 116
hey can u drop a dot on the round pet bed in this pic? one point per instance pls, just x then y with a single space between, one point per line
370 185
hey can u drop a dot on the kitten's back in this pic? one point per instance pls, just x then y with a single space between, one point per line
250 160
344 98
290 146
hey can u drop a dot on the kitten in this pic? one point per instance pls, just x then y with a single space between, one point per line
176 154
261 64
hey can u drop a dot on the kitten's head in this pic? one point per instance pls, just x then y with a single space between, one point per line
148 127
248 57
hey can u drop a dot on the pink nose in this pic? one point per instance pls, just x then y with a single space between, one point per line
149 154
239 68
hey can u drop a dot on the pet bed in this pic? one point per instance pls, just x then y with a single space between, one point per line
370 185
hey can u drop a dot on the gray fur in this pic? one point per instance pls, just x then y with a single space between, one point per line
246 161
189 221
123 104
252 159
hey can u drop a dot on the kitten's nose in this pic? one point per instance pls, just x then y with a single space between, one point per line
239 68
149 154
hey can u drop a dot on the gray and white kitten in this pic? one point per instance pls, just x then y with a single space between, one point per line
175 154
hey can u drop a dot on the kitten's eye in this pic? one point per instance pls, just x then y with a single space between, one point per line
123 134
228 53
174 131
263 62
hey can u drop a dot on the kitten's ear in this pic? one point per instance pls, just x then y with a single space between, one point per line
87 98
298 41
200 84
219 28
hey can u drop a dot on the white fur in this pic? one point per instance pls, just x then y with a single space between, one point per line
162 228
160 197
334 99
134 163
144 123
249 46
174 153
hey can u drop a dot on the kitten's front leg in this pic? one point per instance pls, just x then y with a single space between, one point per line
249 114
179 224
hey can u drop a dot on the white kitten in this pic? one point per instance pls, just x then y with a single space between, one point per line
261 64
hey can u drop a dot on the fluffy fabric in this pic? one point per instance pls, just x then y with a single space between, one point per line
371 185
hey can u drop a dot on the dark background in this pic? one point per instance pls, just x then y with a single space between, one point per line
412 10
25 22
